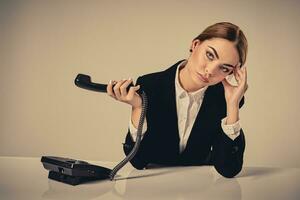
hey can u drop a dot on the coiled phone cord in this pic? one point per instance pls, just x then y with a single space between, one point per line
138 138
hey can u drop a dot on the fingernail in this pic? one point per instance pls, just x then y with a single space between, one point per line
110 81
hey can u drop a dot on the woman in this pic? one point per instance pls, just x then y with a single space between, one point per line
193 111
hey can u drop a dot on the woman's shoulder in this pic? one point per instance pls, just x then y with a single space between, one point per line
151 81
156 82
151 78
163 75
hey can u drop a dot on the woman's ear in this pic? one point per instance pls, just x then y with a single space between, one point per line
194 44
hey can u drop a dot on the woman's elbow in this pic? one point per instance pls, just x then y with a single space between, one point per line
228 172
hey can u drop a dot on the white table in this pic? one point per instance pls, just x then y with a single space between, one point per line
25 178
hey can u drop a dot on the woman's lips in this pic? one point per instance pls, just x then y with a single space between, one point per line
202 78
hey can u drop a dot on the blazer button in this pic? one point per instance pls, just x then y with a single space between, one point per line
235 149
126 145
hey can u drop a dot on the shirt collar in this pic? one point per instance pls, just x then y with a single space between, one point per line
181 93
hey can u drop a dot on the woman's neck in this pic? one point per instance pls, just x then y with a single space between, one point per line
186 81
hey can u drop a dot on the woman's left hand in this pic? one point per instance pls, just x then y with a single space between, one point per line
234 94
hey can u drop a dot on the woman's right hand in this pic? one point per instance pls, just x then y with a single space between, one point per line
117 90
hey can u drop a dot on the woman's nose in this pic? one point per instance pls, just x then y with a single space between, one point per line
210 71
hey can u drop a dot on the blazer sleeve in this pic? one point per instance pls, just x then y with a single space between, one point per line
139 161
227 154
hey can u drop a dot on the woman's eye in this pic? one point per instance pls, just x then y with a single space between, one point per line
209 55
225 69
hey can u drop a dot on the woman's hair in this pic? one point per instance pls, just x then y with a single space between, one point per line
229 31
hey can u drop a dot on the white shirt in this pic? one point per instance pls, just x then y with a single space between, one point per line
188 104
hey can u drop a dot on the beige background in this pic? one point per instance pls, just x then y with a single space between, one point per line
44 44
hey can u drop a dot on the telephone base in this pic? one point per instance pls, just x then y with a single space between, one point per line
72 171
71 180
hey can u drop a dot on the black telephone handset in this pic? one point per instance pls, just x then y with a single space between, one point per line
74 171
84 81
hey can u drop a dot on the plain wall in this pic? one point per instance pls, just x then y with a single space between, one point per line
44 44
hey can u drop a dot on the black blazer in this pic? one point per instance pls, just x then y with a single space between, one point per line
207 144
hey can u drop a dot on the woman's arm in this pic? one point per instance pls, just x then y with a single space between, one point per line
138 161
228 153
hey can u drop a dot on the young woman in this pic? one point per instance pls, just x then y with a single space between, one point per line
193 111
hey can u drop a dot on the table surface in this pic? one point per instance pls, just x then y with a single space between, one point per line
25 178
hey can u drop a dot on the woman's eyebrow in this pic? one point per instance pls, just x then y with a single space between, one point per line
216 53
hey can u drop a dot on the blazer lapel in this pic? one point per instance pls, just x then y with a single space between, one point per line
204 120
169 97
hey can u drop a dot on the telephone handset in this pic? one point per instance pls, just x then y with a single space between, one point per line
84 81
75 172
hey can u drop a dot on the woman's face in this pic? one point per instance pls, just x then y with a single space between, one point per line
211 61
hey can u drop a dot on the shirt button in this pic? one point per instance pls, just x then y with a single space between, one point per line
182 95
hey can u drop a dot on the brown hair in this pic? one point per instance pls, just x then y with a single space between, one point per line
229 31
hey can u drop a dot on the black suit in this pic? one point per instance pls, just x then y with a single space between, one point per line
160 144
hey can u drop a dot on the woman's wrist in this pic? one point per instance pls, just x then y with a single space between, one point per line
135 115
138 107
232 113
